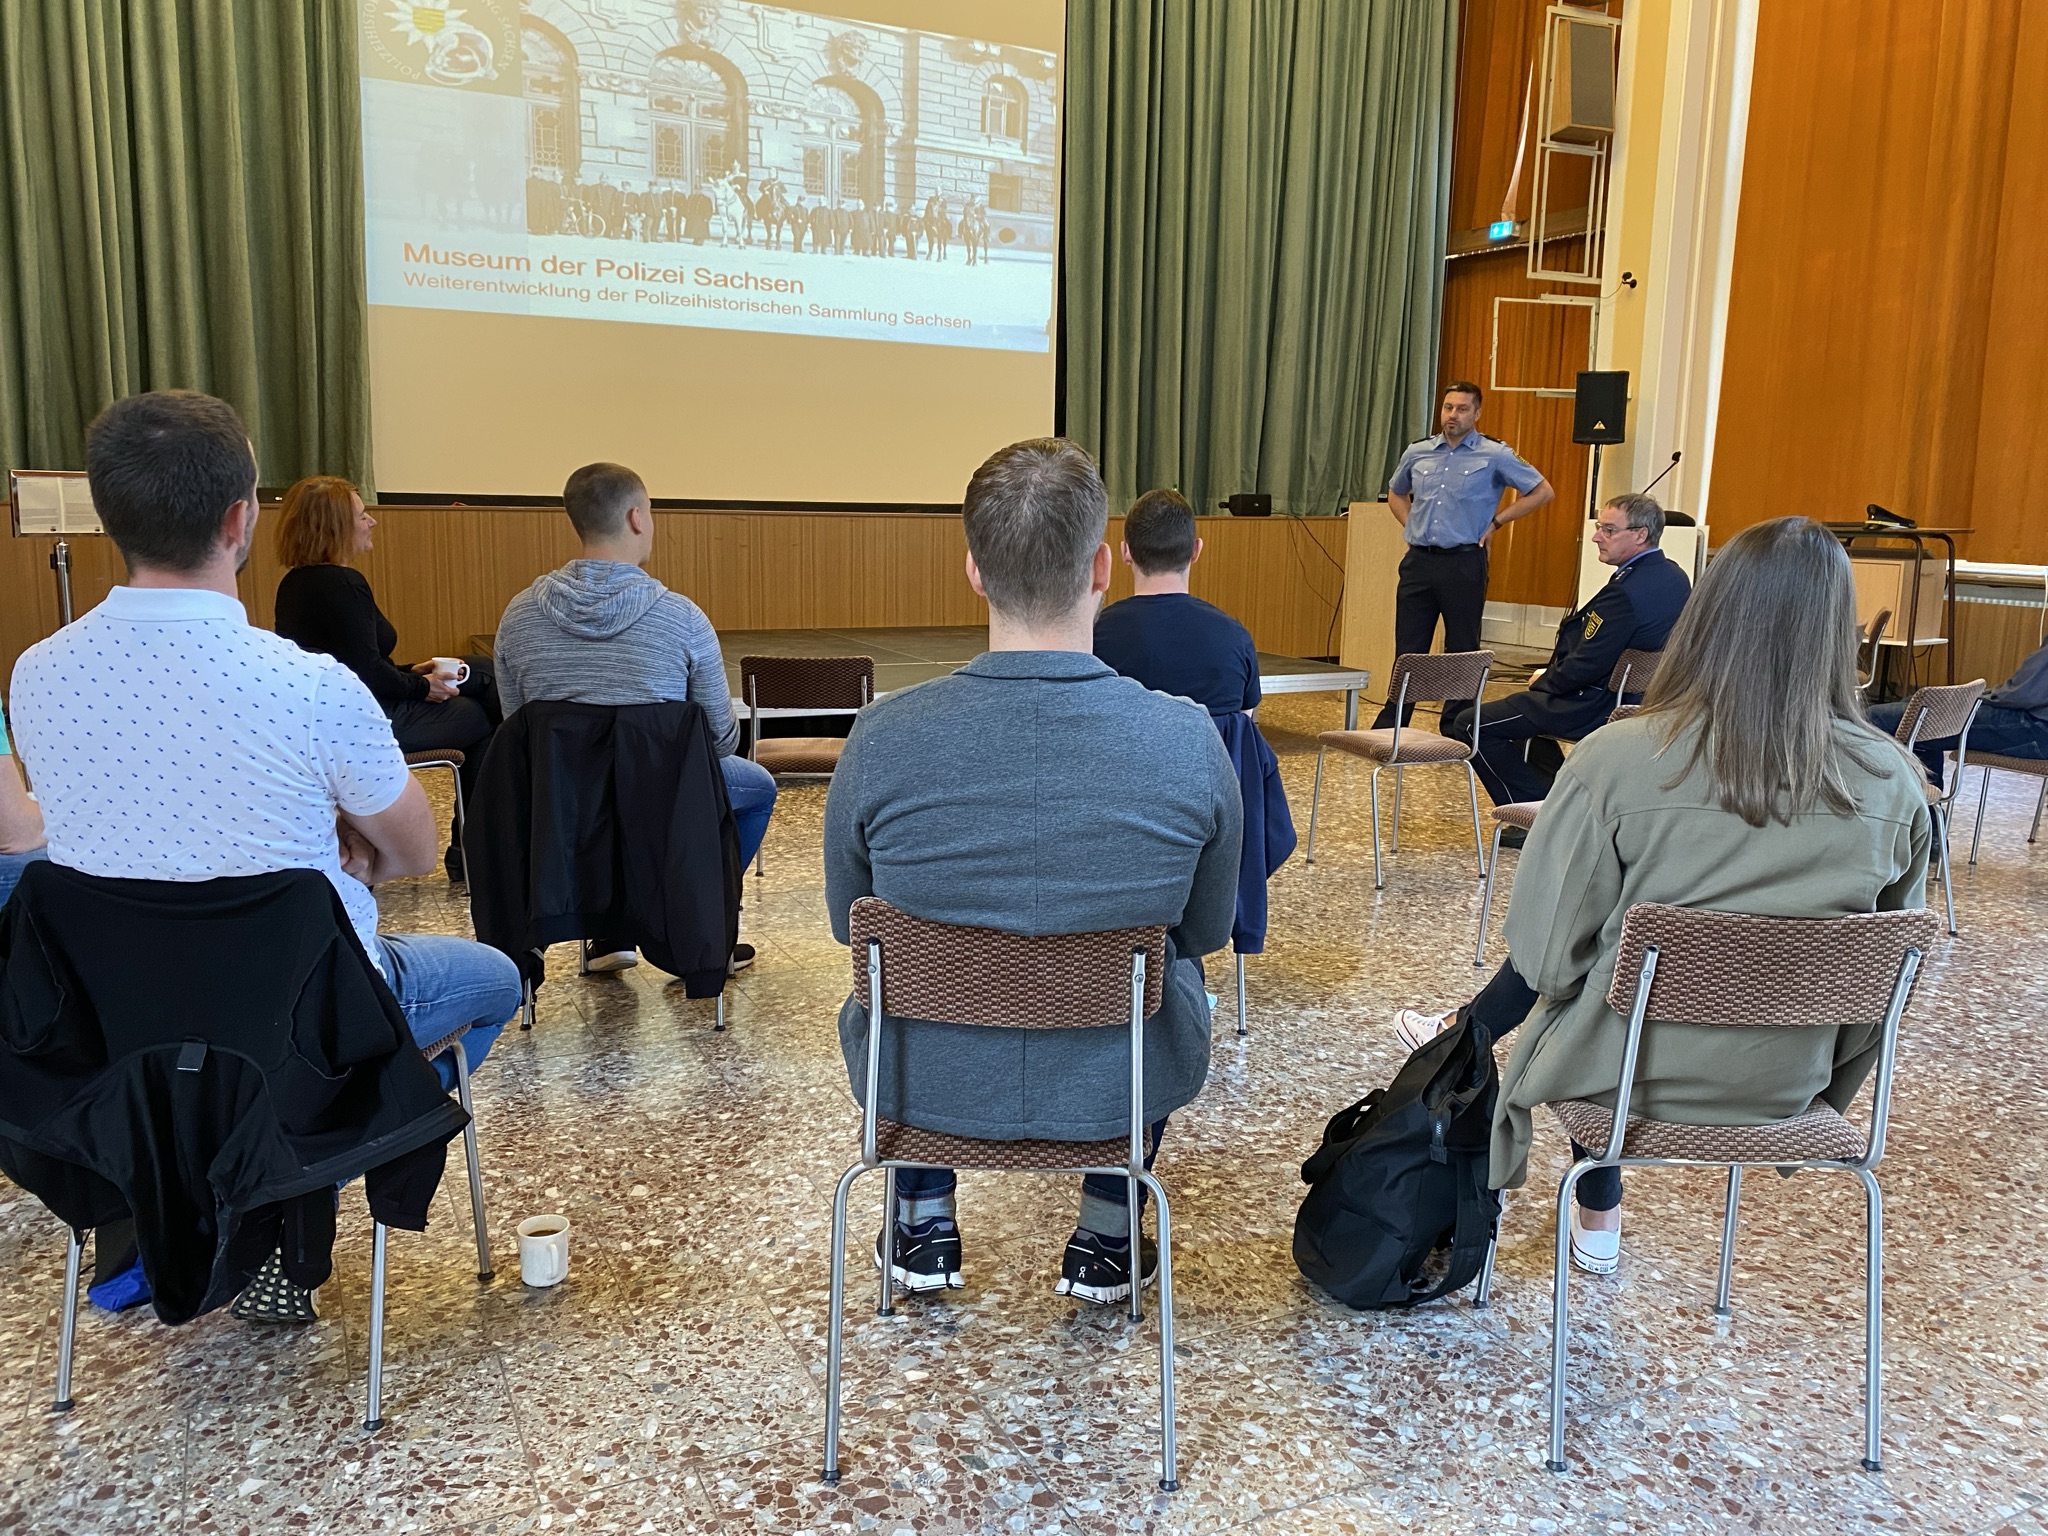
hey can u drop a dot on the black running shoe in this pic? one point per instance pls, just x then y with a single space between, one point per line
270 1298
927 1256
742 957
1098 1269
452 862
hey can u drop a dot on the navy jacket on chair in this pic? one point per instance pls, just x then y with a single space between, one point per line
1268 826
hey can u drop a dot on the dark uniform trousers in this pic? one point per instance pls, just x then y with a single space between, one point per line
1436 583
1506 730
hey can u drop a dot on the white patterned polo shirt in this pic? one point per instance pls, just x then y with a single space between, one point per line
170 739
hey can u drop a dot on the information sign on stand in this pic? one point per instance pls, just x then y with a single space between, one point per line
56 502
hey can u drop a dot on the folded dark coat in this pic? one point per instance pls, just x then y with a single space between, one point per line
212 1058
594 820
1268 825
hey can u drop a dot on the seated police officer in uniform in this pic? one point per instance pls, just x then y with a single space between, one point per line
1569 697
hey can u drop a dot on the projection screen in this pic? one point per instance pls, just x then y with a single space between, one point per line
759 253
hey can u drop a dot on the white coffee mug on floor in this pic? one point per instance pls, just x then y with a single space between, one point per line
544 1250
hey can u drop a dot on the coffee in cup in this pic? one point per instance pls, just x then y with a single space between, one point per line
544 1250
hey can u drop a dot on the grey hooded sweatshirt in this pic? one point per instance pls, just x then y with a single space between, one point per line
603 632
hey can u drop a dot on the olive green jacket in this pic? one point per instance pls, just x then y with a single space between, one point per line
1612 834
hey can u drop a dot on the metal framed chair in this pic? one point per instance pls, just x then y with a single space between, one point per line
911 968
1632 673
1934 714
373 1409
1725 969
1416 679
1522 816
450 759
1867 652
2032 767
801 685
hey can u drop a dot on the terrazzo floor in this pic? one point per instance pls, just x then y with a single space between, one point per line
674 1383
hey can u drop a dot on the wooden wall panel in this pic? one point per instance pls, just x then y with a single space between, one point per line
1888 314
443 574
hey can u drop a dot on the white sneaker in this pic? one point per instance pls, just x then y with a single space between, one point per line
1417 1029
1597 1253
618 960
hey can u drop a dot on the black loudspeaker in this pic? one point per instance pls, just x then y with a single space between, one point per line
1250 504
1600 409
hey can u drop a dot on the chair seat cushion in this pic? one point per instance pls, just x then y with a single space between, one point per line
2038 766
435 758
907 1143
1416 746
1520 814
799 754
1819 1132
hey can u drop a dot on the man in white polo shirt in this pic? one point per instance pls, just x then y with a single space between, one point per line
169 739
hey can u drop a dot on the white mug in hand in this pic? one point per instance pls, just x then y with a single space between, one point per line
452 670
544 1250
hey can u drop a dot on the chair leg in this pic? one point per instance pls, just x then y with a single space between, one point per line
1169 1465
1242 1031
835 1331
1379 878
373 1416
1983 798
1726 1281
1486 901
718 1016
478 1220
886 1307
2034 832
1137 1230
1948 882
1560 1319
1314 804
67 1325
1478 838
1482 1291
461 811
1394 842
1873 1324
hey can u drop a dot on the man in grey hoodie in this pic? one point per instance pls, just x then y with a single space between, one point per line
602 631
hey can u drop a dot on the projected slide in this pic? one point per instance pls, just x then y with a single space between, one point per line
711 163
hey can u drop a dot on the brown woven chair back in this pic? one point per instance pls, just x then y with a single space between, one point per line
807 682
1623 712
1432 678
1633 671
1732 968
1941 712
984 976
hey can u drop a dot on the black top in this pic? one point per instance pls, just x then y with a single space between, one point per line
330 609
1174 642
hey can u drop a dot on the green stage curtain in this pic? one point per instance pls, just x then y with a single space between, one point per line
184 209
1256 200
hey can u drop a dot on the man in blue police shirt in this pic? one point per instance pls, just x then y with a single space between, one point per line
1446 494
1569 698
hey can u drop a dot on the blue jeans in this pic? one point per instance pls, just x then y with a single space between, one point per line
751 789
11 866
441 983
2008 732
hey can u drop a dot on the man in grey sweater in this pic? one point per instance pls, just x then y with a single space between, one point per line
602 631
1035 791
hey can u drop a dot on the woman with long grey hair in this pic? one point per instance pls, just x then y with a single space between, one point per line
1750 782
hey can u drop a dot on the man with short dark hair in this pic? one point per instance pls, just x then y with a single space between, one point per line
601 630
1036 792
1164 636
169 739
1569 697
1446 494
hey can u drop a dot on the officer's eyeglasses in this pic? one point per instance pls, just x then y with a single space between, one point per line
1610 529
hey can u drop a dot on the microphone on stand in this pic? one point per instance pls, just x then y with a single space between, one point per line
1665 471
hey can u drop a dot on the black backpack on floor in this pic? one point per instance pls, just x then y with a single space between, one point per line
1398 1210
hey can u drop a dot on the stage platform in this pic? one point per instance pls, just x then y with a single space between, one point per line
905 657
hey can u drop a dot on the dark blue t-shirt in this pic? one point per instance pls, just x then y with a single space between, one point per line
1176 643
